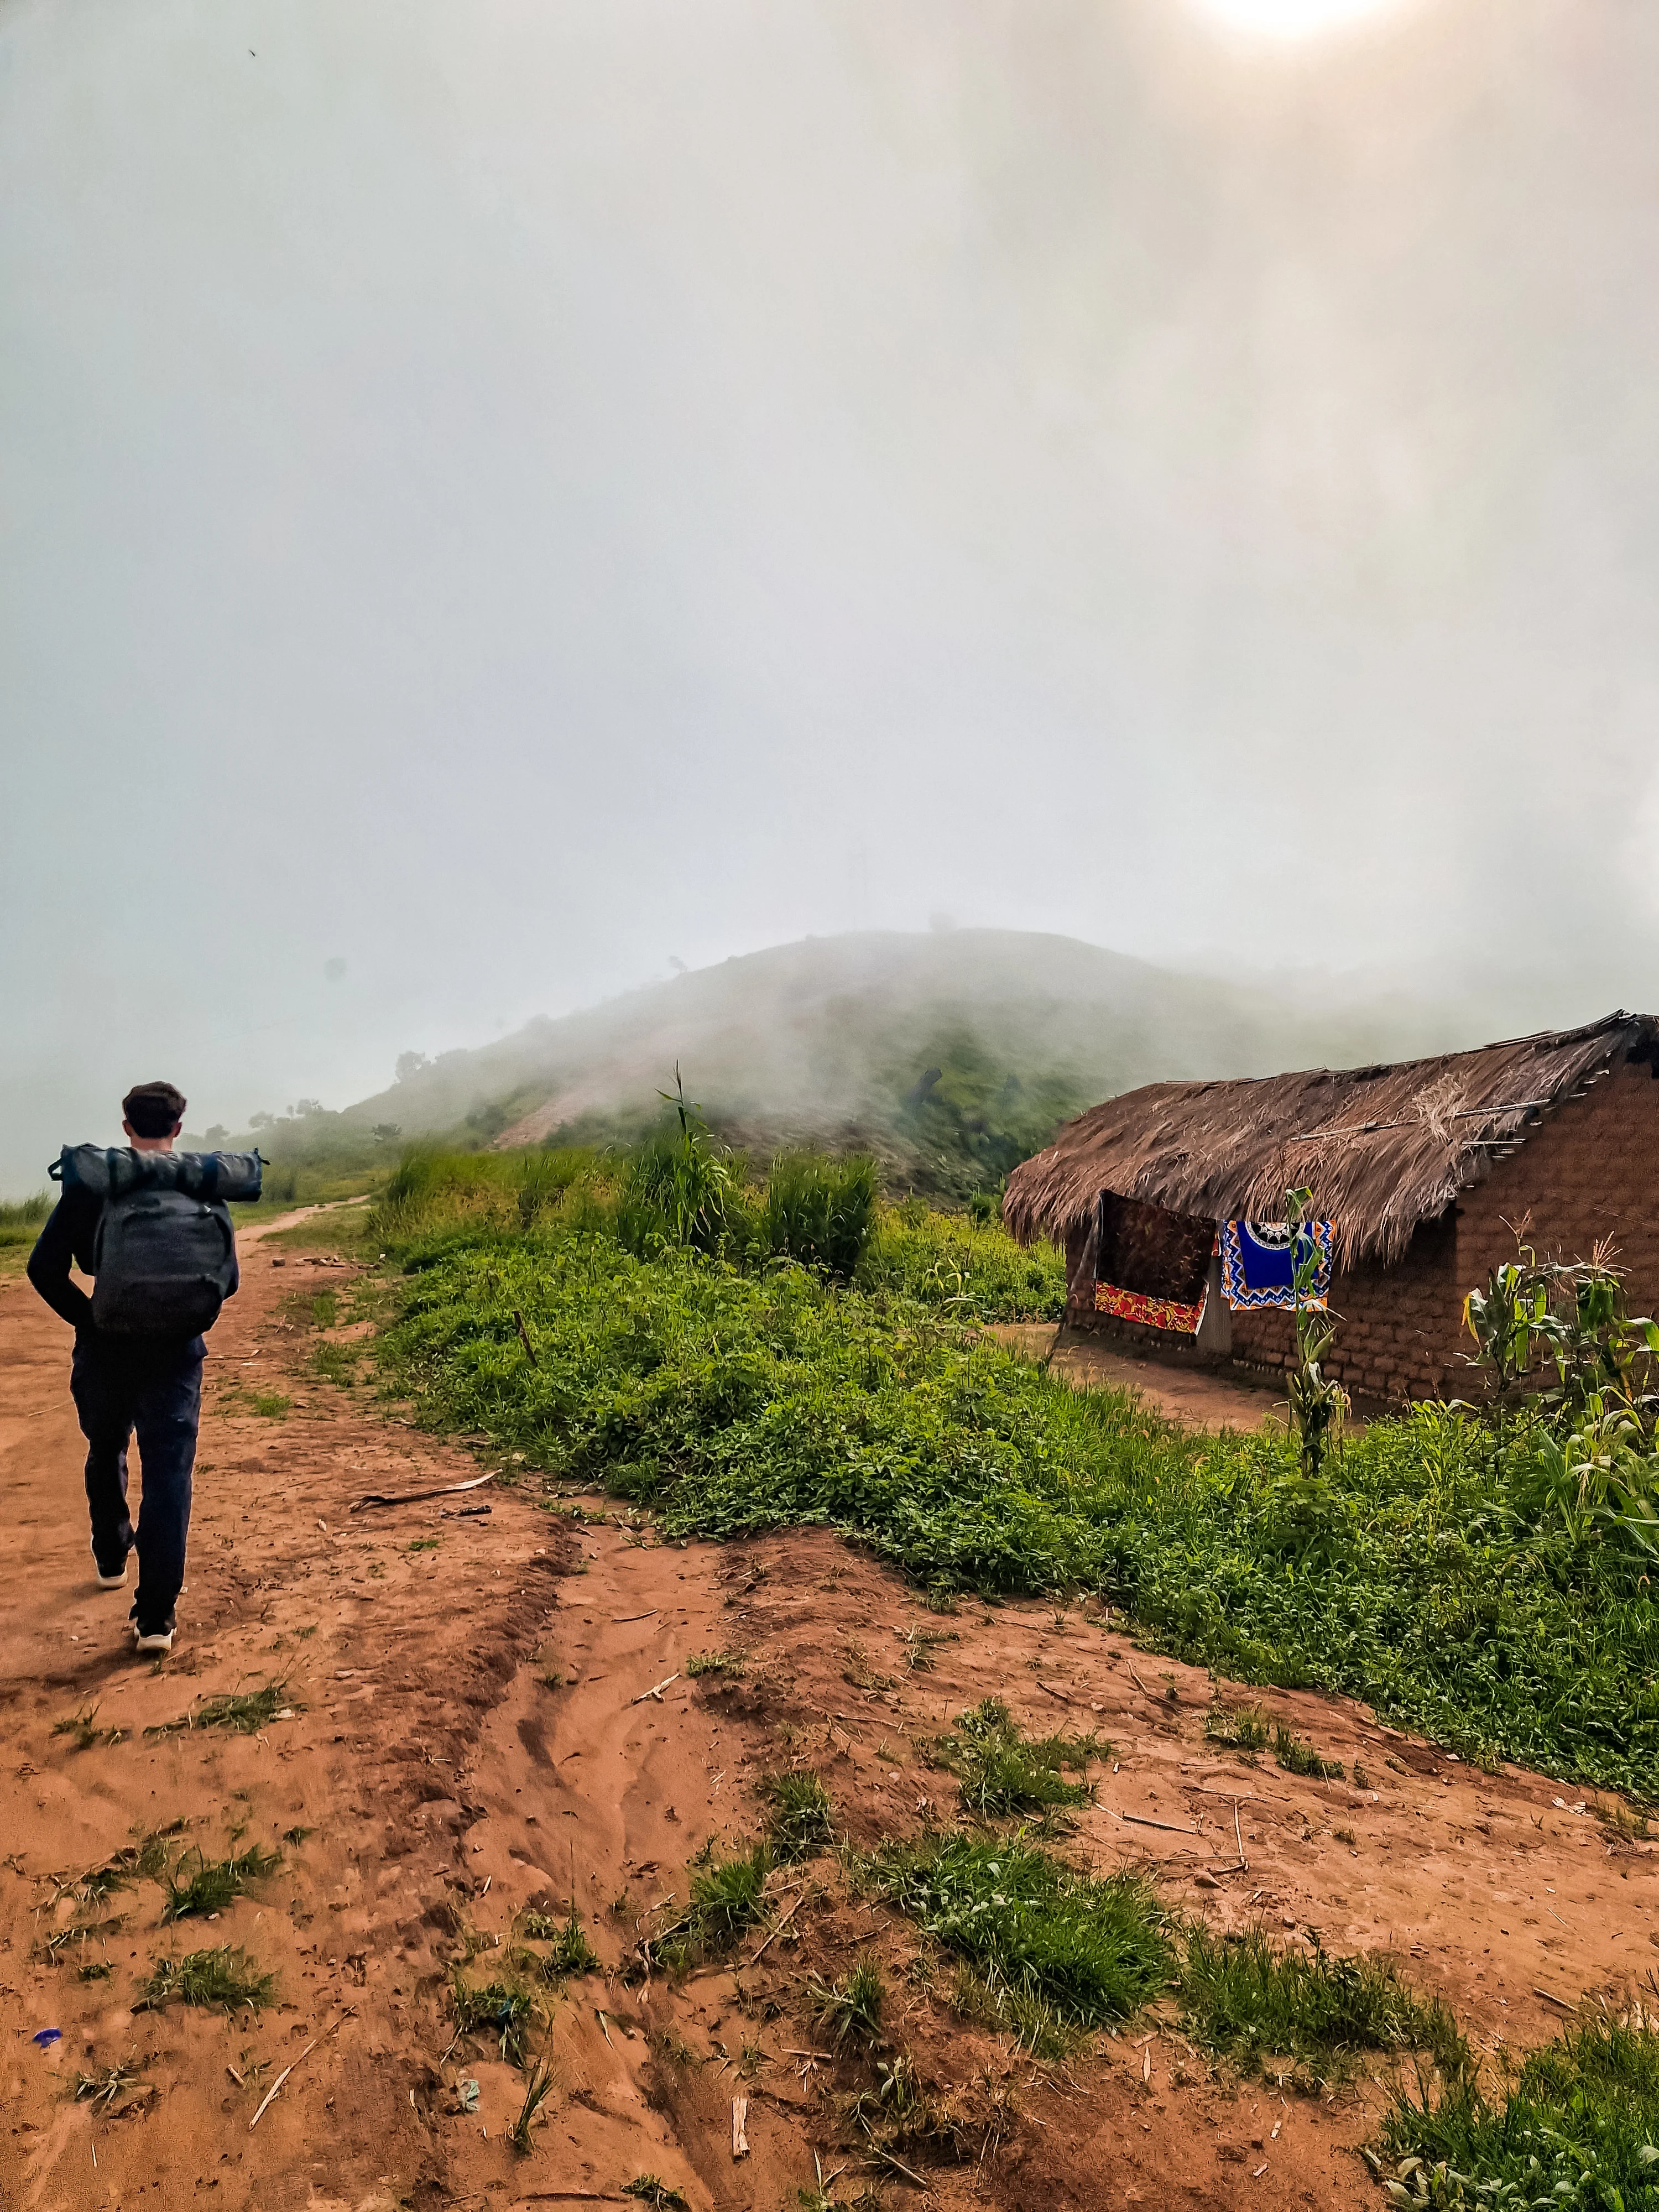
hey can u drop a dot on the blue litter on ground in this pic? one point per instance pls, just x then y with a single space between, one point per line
46 2035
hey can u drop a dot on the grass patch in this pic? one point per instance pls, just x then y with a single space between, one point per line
270 1405
657 2194
216 1884
715 1662
244 1712
572 1952
144 1861
1577 2125
1054 1950
819 1212
727 1896
849 2010
335 1362
1003 1771
111 2089
919 1645
1237 1728
497 2010
225 1976
801 1817
54 1947
81 1728
1243 1997
1298 1757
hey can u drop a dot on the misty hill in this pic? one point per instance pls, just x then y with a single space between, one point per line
952 1055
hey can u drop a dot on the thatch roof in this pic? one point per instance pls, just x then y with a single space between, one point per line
1383 1148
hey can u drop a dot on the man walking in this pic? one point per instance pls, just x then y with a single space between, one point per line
151 1226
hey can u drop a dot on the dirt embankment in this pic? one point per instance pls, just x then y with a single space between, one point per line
431 1783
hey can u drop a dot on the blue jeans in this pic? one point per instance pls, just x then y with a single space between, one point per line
153 1385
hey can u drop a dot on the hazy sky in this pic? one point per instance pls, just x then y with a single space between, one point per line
498 494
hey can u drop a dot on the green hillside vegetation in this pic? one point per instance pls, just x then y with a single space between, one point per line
946 1057
566 1311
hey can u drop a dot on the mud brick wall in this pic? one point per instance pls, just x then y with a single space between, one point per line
1397 1337
1591 1171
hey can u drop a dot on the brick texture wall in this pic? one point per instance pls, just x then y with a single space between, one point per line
1591 1172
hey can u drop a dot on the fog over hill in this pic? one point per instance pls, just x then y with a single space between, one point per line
950 1053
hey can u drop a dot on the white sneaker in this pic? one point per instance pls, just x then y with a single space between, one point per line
151 1639
109 1582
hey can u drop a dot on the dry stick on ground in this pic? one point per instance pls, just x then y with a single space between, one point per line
1060 1694
899 2166
349 2014
1141 1821
414 1497
739 2134
782 1925
656 1694
571 2196
1550 1997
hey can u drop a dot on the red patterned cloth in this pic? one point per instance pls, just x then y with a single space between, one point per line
1156 1313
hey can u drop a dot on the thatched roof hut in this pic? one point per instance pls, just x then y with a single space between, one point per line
1384 1147
1406 1163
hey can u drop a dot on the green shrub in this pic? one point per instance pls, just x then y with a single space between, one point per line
727 1897
1296 1757
973 1271
571 1951
496 2009
214 1884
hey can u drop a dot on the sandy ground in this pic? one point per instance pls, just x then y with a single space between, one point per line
1190 1394
444 1786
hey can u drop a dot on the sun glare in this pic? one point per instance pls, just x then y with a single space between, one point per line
1291 19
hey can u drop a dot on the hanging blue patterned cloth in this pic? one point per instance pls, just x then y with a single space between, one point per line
1259 1262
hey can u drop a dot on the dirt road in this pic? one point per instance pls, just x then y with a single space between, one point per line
425 1782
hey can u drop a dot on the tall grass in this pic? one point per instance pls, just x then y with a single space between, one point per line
20 1218
819 1212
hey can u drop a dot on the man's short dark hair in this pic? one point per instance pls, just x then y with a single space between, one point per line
155 1109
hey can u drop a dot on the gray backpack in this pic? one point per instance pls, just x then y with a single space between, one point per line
165 1251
